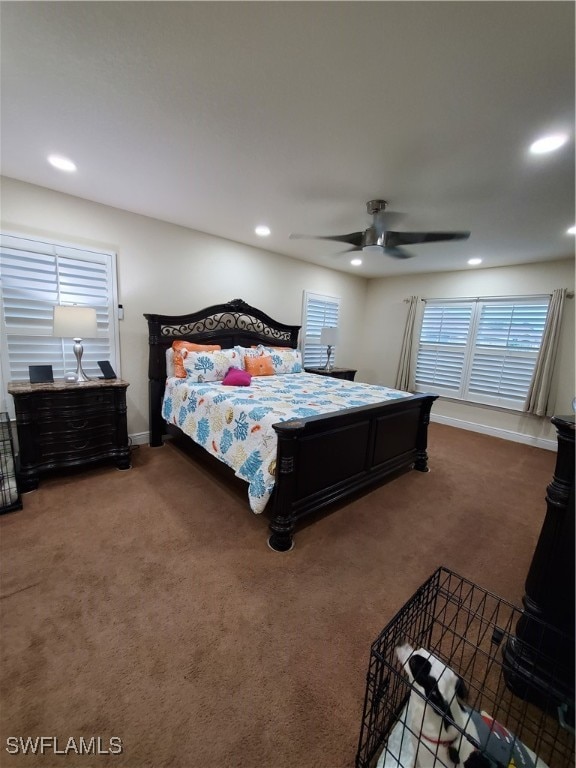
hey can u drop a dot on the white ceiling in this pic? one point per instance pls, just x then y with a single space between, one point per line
223 115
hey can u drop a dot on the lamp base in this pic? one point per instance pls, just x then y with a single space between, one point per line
79 351
328 366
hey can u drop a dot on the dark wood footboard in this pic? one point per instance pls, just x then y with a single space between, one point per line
325 459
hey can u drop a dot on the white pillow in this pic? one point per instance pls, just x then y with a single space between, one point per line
211 366
286 360
242 352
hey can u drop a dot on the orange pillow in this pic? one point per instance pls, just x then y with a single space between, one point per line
189 346
259 366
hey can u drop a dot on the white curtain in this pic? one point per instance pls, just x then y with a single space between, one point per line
539 392
405 375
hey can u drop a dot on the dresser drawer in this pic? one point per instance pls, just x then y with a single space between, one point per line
75 446
73 424
64 405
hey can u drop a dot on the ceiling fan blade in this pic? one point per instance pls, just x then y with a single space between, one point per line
412 238
354 238
397 253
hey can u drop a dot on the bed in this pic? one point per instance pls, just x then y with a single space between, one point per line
319 459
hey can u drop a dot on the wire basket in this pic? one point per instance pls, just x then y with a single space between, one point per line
9 494
470 630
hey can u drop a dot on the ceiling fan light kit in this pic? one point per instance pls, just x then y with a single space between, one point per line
379 238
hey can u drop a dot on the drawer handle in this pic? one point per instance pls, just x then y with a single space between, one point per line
78 424
81 446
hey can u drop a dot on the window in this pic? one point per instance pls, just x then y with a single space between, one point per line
481 351
34 276
317 312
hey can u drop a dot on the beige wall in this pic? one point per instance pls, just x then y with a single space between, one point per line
386 311
164 268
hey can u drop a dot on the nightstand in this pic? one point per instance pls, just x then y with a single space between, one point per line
69 425
335 373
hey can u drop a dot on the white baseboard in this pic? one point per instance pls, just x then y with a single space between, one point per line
139 438
505 434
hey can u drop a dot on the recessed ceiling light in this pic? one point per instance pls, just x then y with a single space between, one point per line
548 143
262 230
571 231
62 163
474 262
356 262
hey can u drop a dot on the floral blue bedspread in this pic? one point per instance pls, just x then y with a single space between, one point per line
235 423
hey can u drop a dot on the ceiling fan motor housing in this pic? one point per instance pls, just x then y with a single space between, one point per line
374 206
373 239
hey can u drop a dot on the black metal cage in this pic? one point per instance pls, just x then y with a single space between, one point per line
473 632
9 494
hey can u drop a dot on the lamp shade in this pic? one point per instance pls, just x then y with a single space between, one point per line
329 336
75 322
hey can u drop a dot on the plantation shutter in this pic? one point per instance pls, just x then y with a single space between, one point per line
318 312
443 343
508 339
483 351
34 277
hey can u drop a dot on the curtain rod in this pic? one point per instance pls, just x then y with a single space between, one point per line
569 295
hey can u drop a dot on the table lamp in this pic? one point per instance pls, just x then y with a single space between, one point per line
76 323
328 337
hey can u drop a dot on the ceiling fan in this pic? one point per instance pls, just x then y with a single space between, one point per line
381 239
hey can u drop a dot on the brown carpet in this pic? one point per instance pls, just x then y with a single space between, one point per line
146 605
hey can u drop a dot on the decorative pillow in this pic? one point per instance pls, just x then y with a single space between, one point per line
210 366
284 360
259 365
237 378
245 352
256 351
242 351
265 346
181 349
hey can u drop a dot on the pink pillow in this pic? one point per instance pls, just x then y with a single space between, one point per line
237 378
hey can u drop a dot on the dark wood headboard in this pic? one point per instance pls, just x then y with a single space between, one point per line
229 324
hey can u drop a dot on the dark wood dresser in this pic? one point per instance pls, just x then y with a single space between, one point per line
63 425
335 373
540 657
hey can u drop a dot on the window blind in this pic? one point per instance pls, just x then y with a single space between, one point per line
483 351
443 343
35 276
318 312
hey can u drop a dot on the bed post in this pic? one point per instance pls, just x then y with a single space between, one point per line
156 380
156 422
282 522
421 463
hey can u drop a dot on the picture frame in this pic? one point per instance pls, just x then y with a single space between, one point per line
40 374
106 369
